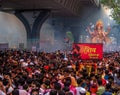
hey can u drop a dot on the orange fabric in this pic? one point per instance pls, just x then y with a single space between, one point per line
73 81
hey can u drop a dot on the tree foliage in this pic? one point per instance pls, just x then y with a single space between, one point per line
114 5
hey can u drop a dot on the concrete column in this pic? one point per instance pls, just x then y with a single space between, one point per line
43 15
25 22
33 33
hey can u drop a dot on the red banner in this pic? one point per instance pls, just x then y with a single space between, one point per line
87 51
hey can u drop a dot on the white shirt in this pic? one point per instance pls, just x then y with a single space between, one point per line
2 93
80 90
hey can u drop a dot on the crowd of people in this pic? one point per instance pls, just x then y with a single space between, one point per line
39 73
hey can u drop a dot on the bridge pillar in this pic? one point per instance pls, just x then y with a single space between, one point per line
33 33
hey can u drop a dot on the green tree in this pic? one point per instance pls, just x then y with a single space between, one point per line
114 5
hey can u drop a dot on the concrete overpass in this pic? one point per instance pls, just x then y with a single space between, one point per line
57 7
44 8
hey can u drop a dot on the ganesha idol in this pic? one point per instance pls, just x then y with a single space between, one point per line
99 35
